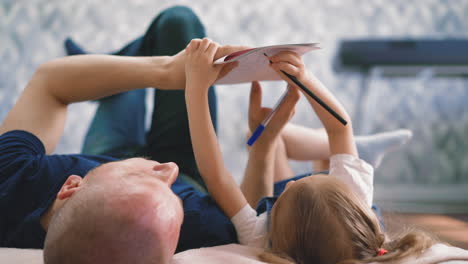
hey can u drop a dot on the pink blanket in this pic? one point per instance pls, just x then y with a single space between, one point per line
234 253
237 254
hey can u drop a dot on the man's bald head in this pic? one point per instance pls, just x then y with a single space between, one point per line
123 212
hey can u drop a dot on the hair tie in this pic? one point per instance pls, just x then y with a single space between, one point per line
381 252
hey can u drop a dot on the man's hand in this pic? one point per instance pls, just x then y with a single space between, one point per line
257 113
176 79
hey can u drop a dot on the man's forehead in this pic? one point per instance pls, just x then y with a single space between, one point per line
99 168
104 169
121 164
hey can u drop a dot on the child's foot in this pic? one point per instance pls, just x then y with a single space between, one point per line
373 148
72 48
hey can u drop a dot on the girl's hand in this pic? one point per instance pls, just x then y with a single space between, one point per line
291 63
200 71
176 66
340 137
257 114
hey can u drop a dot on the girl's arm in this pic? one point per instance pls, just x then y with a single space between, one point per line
221 185
200 74
259 174
340 137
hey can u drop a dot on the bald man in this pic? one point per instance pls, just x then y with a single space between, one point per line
99 206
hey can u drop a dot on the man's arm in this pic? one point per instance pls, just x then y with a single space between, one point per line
42 107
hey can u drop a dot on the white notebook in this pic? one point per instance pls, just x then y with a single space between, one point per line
254 66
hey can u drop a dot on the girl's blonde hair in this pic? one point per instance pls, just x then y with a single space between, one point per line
320 220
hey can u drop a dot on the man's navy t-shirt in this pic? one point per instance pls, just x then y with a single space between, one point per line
30 181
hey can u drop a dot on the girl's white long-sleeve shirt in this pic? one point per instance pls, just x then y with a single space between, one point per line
356 173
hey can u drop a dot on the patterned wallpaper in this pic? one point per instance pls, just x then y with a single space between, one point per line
436 109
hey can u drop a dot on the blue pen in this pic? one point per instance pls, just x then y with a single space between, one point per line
256 134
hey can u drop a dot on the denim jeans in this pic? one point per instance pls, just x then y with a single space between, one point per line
118 127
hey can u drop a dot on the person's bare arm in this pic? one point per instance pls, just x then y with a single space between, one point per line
259 173
340 137
200 74
42 107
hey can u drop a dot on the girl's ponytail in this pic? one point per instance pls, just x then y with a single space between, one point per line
404 245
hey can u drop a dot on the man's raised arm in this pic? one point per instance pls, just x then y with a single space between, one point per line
41 108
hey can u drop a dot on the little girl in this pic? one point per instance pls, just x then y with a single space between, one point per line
317 219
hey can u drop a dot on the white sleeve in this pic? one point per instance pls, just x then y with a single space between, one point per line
251 229
356 173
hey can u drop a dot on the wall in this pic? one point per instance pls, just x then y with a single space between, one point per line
31 32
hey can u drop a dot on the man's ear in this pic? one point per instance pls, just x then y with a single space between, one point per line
71 185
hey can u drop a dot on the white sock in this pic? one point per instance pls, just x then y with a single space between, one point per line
373 148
